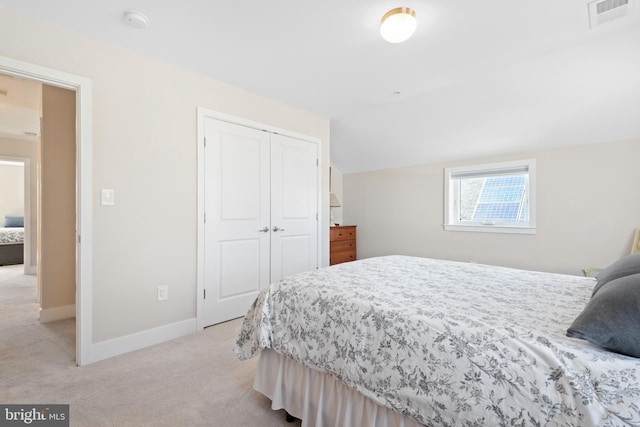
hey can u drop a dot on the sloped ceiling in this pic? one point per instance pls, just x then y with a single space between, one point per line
478 78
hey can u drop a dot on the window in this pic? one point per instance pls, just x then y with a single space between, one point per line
498 197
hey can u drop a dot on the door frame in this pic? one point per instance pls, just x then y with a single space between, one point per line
84 174
202 115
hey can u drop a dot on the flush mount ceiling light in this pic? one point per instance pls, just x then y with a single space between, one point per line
398 24
136 19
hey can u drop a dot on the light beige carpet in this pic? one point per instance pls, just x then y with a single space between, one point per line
192 381
18 303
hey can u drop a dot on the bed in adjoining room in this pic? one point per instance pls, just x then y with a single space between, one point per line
406 341
12 241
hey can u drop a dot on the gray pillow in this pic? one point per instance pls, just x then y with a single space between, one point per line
611 318
13 221
625 266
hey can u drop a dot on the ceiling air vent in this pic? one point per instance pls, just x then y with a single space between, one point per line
603 11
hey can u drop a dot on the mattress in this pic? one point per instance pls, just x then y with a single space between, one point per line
11 235
448 343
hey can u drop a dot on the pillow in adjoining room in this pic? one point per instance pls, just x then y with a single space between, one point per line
13 221
625 266
611 318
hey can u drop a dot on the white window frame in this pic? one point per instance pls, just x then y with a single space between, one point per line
451 196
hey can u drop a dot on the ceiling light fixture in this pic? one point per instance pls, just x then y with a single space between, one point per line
136 19
398 24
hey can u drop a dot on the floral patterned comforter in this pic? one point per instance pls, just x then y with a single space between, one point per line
448 343
11 235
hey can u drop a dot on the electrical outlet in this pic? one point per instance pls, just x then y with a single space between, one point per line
163 292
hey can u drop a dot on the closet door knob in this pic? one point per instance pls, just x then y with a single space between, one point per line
276 228
264 229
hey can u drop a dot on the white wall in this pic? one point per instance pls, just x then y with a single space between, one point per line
588 210
144 147
11 190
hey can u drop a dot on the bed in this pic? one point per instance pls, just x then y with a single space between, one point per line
406 341
11 245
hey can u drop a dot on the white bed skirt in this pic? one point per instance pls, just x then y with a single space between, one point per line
318 399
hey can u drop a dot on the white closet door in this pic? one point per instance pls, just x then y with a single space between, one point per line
237 227
294 206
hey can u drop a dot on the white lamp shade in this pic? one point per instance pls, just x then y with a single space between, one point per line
333 201
398 24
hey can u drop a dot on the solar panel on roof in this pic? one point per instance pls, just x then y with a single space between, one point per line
497 211
500 199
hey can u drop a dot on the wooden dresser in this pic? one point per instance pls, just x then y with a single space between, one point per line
342 240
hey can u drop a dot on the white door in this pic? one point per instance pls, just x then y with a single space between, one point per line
237 226
261 208
294 206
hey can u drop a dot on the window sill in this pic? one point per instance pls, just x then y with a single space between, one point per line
490 229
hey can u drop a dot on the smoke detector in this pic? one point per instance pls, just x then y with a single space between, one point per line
603 11
136 19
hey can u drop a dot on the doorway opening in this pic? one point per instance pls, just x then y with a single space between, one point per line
37 240
81 209
18 288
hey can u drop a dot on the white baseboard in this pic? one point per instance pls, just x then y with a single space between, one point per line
114 347
57 313
31 270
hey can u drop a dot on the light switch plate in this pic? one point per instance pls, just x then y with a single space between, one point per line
108 197
163 293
